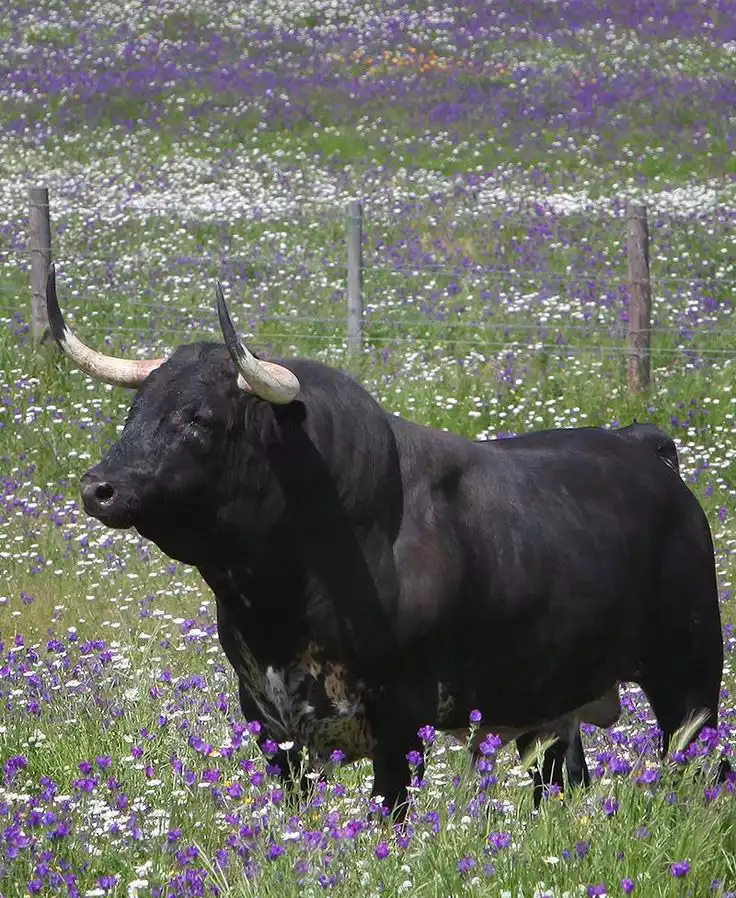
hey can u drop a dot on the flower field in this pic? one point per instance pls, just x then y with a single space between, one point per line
494 147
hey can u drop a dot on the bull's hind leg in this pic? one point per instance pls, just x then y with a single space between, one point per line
575 763
565 753
678 703
681 675
553 762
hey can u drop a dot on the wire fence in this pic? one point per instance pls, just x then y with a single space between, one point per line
374 266
623 326
595 329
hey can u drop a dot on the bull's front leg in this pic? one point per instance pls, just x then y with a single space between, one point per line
288 761
395 738
392 776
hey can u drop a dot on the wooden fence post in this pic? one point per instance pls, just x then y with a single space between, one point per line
355 276
640 297
40 248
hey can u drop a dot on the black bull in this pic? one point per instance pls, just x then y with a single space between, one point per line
372 575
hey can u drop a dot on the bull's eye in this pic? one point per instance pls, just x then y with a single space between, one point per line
199 419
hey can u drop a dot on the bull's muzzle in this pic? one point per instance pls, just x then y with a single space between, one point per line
103 501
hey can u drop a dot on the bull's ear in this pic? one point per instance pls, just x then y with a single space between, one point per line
270 424
291 415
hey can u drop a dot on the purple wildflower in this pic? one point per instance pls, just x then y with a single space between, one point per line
85 783
610 807
649 776
61 831
13 765
427 734
382 851
680 869
491 744
619 765
235 790
498 841
627 886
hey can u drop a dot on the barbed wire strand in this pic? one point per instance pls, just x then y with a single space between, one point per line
613 285
509 346
379 318
618 277
386 318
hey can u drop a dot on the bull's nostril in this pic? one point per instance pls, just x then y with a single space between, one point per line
104 492
109 502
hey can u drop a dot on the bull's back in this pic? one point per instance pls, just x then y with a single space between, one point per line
514 523
572 512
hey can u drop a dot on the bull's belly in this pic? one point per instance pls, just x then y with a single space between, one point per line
602 712
311 701
314 702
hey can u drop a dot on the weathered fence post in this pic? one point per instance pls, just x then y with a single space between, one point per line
640 297
355 276
40 248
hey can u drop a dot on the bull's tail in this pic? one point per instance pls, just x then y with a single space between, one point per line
657 439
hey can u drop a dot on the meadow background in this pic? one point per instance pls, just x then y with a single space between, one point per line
494 147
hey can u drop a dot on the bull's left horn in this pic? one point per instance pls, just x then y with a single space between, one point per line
270 381
111 370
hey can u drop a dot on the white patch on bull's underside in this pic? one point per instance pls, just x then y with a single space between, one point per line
277 692
348 707
283 698
445 704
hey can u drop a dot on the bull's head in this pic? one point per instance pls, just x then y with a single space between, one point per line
196 422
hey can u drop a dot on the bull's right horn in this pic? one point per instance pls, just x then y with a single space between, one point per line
111 370
270 381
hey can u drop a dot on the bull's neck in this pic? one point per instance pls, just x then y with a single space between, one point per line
318 555
328 580
264 603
